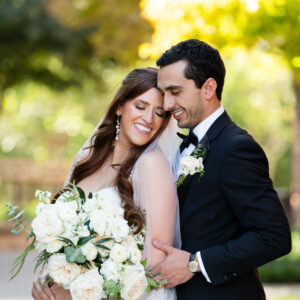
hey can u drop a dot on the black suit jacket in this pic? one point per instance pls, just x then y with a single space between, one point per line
232 215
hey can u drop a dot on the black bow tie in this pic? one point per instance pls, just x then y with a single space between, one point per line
191 138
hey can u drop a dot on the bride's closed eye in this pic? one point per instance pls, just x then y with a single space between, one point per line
161 115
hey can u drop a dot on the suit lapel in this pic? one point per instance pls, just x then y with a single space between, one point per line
213 132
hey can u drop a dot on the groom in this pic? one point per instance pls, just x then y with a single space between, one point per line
231 219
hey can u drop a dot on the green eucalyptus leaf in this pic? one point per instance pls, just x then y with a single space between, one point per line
74 255
16 217
84 240
102 247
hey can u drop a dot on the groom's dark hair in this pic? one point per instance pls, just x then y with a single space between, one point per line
203 60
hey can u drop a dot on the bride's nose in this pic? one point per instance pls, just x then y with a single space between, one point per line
148 116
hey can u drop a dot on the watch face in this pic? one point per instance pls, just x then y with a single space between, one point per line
193 266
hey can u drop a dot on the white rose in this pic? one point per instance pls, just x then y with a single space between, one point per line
111 208
70 232
61 271
47 226
109 194
135 282
89 250
110 270
189 164
83 231
200 163
91 204
133 251
118 228
40 246
54 246
98 221
40 207
87 286
135 255
67 213
118 253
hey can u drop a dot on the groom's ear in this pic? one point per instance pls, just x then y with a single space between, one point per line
210 87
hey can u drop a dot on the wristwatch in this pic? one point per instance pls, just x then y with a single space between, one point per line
193 266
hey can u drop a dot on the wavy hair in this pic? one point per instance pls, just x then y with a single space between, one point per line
137 82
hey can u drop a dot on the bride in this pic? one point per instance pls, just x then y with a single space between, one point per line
132 151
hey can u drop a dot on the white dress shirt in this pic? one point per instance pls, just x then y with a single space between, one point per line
200 130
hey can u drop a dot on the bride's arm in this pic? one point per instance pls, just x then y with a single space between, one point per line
157 196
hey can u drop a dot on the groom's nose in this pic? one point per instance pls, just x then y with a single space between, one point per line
169 102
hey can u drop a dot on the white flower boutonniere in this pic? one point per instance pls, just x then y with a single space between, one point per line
191 164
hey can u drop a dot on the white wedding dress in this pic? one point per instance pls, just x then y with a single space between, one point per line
152 177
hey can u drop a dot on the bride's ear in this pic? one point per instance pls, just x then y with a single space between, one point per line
119 111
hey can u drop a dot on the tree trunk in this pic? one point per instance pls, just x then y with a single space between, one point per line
295 186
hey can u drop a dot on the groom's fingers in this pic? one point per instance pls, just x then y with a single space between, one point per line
163 247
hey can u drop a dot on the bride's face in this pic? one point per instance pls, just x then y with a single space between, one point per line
141 118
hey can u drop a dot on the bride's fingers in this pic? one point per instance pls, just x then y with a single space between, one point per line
45 288
38 291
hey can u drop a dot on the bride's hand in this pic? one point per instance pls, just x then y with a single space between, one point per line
40 291
56 292
60 293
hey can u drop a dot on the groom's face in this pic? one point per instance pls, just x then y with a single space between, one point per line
181 95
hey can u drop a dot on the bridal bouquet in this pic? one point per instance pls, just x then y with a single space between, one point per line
87 244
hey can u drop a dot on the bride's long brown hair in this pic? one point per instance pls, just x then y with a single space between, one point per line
137 82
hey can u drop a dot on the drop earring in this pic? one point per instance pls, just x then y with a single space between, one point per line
117 129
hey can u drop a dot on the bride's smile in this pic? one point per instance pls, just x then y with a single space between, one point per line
141 118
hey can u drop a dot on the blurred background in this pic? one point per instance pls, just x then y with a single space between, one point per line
61 61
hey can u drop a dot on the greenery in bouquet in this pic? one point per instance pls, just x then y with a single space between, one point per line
87 244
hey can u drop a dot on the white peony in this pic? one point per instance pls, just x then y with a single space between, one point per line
47 226
54 246
110 270
118 228
61 271
129 242
87 286
135 282
89 250
118 253
98 221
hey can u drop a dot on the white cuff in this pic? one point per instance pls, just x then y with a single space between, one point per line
202 266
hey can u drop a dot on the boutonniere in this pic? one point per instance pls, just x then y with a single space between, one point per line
192 164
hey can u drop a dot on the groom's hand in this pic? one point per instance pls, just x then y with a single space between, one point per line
174 268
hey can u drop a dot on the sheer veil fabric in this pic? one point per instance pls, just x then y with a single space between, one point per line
165 151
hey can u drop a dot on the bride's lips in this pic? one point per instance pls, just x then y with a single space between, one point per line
142 128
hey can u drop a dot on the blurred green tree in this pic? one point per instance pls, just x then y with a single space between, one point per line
61 42
35 46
